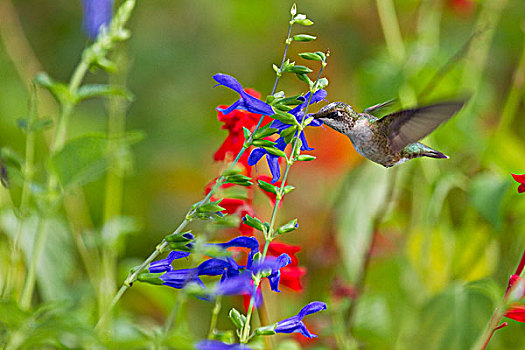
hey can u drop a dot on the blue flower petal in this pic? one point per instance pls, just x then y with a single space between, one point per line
304 143
234 106
295 324
280 143
179 278
247 102
312 308
217 345
255 105
256 155
241 242
97 13
241 284
213 267
273 163
229 82
164 265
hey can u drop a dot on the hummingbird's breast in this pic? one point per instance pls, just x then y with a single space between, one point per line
369 143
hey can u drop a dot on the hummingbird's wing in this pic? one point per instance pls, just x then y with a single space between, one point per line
379 106
408 126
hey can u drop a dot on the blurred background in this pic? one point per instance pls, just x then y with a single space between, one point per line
453 232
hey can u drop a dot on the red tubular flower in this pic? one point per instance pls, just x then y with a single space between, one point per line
234 123
292 273
521 180
517 311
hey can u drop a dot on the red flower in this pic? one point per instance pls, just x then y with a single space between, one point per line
517 311
234 123
292 273
521 180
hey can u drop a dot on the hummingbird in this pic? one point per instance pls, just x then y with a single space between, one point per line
392 139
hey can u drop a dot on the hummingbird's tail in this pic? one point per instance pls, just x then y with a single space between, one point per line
416 150
434 154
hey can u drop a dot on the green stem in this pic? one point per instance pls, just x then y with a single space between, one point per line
26 192
214 316
40 238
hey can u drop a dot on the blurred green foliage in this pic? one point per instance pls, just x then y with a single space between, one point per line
450 239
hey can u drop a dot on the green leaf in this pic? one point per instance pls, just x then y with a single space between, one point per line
288 227
246 132
288 189
303 37
239 179
211 207
290 101
288 134
151 278
98 90
263 143
81 160
305 157
301 19
284 117
253 222
264 132
321 84
266 330
305 78
275 151
311 56
299 70
237 318
268 187
58 90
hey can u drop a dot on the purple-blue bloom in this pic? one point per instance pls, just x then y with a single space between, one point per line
164 265
217 345
275 266
97 13
179 278
298 112
295 324
246 102
273 160
243 283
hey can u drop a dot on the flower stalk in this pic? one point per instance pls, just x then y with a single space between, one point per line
270 232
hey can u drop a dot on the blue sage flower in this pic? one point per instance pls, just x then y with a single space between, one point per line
164 265
180 278
217 345
246 102
243 283
273 160
298 112
97 13
295 323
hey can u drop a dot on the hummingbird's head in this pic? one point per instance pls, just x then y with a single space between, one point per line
337 115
